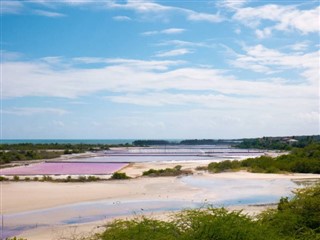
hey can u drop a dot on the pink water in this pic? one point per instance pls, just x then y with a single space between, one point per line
63 168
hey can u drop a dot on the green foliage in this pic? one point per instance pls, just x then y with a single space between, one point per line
295 219
3 179
280 143
206 142
16 178
22 155
151 142
46 178
224 166
220 224
139 229
200 224
302 160
202 168
29 151
118 175
299 217
176 171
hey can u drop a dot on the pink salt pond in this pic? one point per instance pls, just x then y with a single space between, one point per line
65 168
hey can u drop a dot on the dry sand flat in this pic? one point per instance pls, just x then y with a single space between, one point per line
39 195
25 196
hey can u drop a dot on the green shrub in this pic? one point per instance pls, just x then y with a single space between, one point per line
3 179
118 175
176 171
16 178
295 219
298 217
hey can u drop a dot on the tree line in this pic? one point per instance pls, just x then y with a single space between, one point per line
300 160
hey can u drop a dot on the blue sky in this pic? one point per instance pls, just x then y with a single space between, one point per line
159 69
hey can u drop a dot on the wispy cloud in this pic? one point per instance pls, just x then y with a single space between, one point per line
156 9
180 43
173 53
299 46
27 111
167 31
145 9
122 18
48 13
11 7
232 4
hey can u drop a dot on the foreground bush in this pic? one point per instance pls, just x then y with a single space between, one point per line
189 225
298 218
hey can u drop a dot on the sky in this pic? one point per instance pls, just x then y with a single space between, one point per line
162 69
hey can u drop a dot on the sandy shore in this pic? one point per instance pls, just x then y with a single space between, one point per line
39 195
26 196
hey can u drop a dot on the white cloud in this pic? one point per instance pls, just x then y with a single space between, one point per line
285 18
122 18
11 7
156 10
145 9
261 59
232 4
196 16
21 79
300 46
173 53
48 14
167 31
180 43
264 33
27 111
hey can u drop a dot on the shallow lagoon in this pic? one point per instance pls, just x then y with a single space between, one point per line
216 192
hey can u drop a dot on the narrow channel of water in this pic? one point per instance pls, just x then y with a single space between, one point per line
229 192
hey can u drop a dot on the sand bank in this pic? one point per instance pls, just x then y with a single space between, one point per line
19 197
39 195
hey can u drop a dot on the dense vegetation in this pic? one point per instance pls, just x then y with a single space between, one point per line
300 160
46 178
207 142
176 171
151 142
183 142
53 146
280 143
29 151
298 218
21 155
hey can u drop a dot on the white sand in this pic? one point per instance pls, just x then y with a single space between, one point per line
24 196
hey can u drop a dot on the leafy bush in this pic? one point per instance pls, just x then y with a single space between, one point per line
118 175
298 218
295 219
176 171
